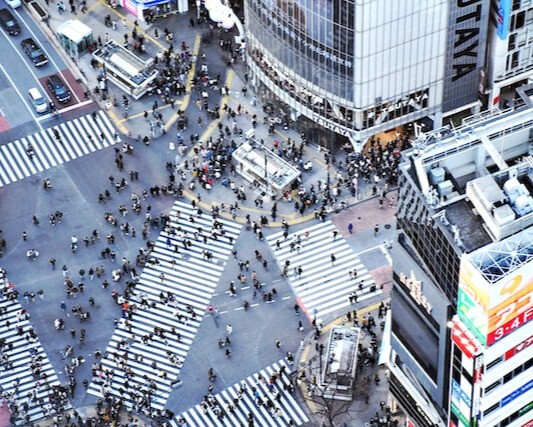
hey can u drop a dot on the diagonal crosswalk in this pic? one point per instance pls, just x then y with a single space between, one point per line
147 349
77 138
323 287
27 378
262 399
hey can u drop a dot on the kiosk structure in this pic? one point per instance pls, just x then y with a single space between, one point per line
125 69
256 163
338 375
75 37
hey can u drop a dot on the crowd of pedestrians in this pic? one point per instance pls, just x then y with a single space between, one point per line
129 214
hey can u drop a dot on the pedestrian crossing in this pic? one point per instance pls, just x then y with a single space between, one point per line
267 395
323 287
158 335
27 378
77 138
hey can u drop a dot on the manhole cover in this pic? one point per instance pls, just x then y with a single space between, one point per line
387 226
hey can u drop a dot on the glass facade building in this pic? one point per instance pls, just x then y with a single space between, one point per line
359 67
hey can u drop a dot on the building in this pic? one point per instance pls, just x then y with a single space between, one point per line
463 259
346 70
339 372
510 49
125 69
261 166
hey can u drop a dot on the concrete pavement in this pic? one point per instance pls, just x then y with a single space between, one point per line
363 210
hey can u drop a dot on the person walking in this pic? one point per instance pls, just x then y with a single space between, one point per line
64 308
350 228
229 329
53 262
278 344
376 230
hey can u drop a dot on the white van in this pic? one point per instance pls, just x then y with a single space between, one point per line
39 103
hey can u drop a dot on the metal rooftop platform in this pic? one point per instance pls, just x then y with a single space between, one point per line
500 259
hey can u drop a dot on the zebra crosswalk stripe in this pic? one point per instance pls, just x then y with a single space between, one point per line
232 405
324 286
48 151
191 279
17 364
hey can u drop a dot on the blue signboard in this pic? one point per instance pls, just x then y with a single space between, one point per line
518 392
502 24
456 389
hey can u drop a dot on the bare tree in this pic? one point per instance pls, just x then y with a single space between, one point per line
322 395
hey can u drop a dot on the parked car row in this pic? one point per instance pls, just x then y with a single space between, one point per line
38 58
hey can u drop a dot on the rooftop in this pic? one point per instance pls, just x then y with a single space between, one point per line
478 181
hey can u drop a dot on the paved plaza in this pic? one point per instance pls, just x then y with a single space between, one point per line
138 285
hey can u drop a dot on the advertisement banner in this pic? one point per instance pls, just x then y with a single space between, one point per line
502 20
510 315
518 348
456 389
472 316
491 311
517 393
462 419
462 340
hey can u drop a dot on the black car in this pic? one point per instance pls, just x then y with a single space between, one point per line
58 88
9 23
34 52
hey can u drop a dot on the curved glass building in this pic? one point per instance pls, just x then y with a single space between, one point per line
353 68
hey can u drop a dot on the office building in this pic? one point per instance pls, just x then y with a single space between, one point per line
462 301
510 50
349 69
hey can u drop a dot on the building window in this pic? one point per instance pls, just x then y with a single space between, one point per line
491 409
492 386
512 42
508 377
520 20
494 363
521 40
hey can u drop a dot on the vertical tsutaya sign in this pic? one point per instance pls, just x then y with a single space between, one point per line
465 47
502 20
466 44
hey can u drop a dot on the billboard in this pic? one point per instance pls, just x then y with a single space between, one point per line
518 348
468 23
493 310
462 339
517 393
502 20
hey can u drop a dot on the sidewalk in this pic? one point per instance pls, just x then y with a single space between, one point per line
211 56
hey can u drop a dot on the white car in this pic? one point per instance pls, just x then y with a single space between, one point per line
37 100
14 3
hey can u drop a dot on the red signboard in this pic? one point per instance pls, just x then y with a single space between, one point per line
510 326
463 341
522 346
